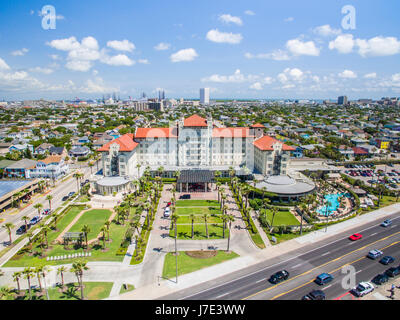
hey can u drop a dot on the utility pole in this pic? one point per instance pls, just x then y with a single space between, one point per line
176 255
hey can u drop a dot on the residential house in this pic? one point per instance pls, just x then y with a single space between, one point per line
20 168
52 167
79 151
43 148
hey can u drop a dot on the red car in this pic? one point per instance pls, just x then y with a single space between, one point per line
168 204
356 236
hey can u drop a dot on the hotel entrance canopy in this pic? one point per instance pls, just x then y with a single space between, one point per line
196 176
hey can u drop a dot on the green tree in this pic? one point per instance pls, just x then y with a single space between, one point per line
8 226
78 268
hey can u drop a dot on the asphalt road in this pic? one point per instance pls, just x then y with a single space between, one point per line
304 265
58 193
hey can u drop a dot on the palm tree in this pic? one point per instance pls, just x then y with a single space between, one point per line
138 169
86 229
78 176
174 219
78 267
25 218
104 231
8 226
224 219
28 274
46 230
205 216
49 198
38 271
29 235
6 293
274 210
231 218
192 216
61 271
43 272
18 195
16 276
107 225
38 206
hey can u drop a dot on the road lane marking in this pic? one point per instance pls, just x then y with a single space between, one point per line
326 253
222 295
297 265
260 280
374 234
278 263
309 271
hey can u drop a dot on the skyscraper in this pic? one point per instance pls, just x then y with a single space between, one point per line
342 100
204 95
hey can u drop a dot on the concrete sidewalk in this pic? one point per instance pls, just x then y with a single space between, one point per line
165 287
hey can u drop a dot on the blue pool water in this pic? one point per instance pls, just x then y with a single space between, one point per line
333 205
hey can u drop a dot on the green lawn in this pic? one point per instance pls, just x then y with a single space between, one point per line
198 219
91 291
95 219
117 233
129 288
197 203
187 264
282 218
198 211
215 231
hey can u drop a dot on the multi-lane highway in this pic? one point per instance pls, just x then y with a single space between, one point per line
329 255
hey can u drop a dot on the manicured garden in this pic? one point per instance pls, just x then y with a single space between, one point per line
193 260
282 218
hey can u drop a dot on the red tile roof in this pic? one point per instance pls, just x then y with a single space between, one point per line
142 133
257 125
265 144
125 142
231 133
195 121
360 151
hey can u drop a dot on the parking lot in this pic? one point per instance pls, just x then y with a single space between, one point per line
388 175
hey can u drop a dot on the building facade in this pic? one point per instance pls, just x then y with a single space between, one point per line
194 144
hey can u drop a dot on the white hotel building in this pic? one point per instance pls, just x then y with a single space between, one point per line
192 144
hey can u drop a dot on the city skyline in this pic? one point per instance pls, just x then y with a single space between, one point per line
232 48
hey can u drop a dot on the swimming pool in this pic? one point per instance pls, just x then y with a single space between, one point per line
334 203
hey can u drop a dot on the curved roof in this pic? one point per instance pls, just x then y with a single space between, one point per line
112 181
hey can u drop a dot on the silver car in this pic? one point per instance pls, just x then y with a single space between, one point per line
363 288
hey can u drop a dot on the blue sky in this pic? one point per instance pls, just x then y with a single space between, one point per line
240 49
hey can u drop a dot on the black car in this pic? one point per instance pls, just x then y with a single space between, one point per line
65 198
22 229
279 276
386 260
71 194
392 272
185 196
380 279
315 295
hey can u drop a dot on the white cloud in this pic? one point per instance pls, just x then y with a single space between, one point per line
3 65
249 13
289 19
343 43
223 37
370 75
278 55
227 18
256 86
184 55
41 70
396 77
67 44
298 47
20 52
143 61
118 60
124 45
347 74
326 31
79 65
237 77
162 46
55 57
378 46
289 75
96 86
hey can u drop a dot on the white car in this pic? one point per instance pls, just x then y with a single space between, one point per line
167 212
363 288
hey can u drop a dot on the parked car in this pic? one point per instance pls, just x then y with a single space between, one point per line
46 211
362 289
386 260
380 279
168 204
279 276
65 198
355 237
167 212
35 220
315 295
185 196
22 229
393 271
71 194
386 223
374 254
323 278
